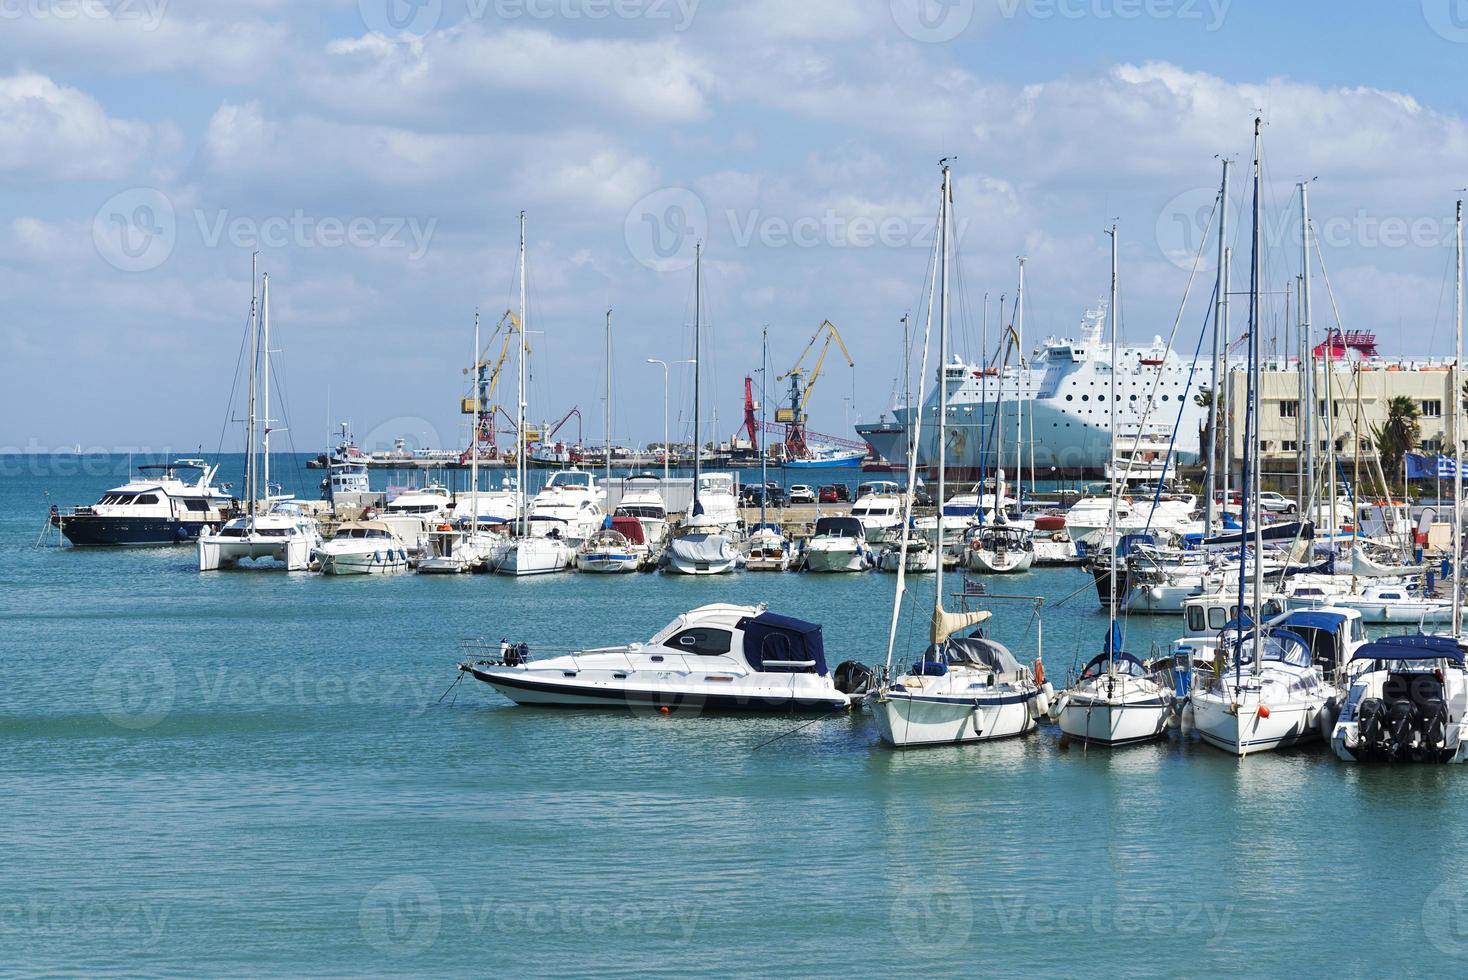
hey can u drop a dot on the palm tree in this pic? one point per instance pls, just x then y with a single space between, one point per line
1398 435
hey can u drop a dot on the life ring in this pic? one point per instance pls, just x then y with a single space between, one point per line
445 527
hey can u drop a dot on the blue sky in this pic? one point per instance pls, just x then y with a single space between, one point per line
378 163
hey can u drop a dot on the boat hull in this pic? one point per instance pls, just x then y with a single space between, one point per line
1245 730
93 531
607 563
525 689
1096 721
359 564
294 553
909 720
839 559
1000 563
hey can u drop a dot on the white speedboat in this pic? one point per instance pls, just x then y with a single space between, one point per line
432 502
156 508
1408 702
838 544
1052 542
878 507
1395 604
286 535
723 657
569 506
999 549
767 550
642 498
719 502
609 551
701 547
362 548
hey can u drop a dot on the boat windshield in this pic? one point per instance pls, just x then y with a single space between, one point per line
1278 645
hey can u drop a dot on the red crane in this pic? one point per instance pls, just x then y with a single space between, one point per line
751 421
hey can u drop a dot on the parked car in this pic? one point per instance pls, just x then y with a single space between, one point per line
1277 503
802 494
751 495
835 492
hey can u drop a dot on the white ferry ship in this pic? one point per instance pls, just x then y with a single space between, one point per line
1064 391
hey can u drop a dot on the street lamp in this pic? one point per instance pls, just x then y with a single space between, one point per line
654 360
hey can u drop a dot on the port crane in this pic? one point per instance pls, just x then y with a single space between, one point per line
487 368
802 383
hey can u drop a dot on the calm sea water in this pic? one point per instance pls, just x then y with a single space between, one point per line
250 772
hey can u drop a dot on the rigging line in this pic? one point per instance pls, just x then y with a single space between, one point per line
1157 379
233 390
820 717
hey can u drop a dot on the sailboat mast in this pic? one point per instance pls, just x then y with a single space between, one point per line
697 366
250 460
1115 489
608 432
943 382
1220 303
1019 380
265 373
1255 270
1308 407
1457 396
520 442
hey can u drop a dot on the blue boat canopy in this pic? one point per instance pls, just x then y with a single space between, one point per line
783 645
1310 619
1125 664
1412 647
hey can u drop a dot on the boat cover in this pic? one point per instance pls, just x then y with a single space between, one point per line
1363 567
772 637
1412 647
705 548
630 528
977 651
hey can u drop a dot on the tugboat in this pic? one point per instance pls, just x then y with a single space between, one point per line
157 508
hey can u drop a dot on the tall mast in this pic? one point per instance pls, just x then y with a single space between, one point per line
943 382
250 460
474 437
1019 380
1226 412
520 444
697 367
1220 303
906 383
1255 270
1115 488
265 373
608 433
1457 396
1308 408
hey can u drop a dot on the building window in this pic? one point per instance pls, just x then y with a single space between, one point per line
1335 408
1432 409
1289 446
1432 445
1289 409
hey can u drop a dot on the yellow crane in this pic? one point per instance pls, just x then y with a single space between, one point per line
481 389
802 383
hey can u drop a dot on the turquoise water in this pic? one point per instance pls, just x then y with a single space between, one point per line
249 772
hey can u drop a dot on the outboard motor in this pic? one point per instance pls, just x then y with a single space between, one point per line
1402 727
853 678
1371 724
1432 715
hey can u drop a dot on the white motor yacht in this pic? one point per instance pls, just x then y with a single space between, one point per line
569 506
720 504
157 508
838 544
642 498
432 502
363 548
878 507
723 657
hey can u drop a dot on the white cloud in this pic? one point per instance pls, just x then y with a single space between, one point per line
48 128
